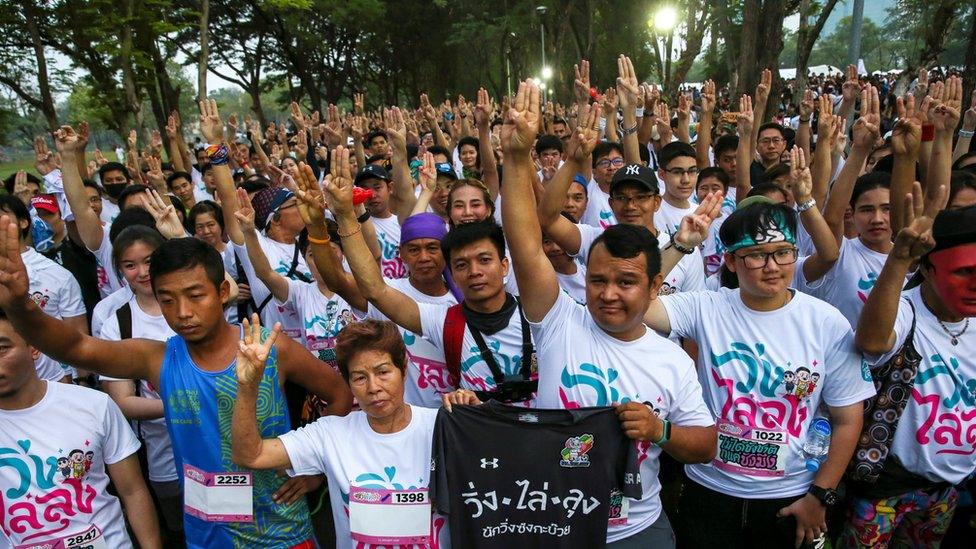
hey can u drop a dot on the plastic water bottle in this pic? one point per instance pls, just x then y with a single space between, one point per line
817 443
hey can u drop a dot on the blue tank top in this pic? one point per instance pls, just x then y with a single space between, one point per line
198 407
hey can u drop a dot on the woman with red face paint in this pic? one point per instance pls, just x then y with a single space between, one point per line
905 469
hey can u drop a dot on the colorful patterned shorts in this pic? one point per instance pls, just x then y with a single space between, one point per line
913 519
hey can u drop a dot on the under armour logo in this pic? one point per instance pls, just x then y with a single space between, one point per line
633 169
486 463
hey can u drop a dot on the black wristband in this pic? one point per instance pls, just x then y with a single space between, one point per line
363 218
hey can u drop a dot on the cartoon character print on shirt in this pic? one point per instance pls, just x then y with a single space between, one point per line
865 285
772 397
51 489
388 481
431 374
950 420
390 263
40 298
320 335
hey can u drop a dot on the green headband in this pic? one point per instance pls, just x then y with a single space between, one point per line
772 228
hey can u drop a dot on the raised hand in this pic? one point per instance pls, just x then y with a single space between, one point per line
653 96
482 109
84 132
155 171
922 88
301 144
333 126
693 229
744 117
430 113
428 172
211 126
162 210
14 281
867 128
581 85
21 190
802 181
852 85
297 117
232 124
338 184
44 159
626 82
683 111
132 140
609 103
662 117
311 202
245 211
915 240
396 127
100 158
807 105
522 120
946 115
708 96
825 120
906 136
252 353
66 140
171 130
969 118
586 136
765 84
358 104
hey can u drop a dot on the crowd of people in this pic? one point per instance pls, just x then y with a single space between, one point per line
682 325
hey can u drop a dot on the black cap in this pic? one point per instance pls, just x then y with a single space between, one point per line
954 228
636 173
371 171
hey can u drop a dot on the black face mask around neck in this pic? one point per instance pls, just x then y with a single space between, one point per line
491 323
115 190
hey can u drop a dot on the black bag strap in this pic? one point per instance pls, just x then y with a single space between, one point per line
124 315
292 274
243 306
527 350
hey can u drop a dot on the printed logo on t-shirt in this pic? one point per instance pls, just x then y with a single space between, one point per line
391 263
592 379
50 488
606 219
432 375
865 285
40 298
574 454
949 419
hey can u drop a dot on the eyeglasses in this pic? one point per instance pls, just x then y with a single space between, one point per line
678 172
606 163
758 260
637 199
771 141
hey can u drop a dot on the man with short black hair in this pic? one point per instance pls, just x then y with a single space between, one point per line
770 144
678 169
608 157
375 178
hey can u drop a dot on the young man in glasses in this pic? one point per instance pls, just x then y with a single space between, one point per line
607 159
678 168
769 357
770 145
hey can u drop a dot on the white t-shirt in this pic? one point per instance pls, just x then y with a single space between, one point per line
934 437
388 236
109 212
667 219
580 365
505 345
55 290
687 276
574 285
322 318
598 213
55 453
849 282
108 279
765 375
162 468
280 257
106 307
350 453
427 376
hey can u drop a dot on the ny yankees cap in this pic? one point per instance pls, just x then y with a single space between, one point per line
637 174
371 171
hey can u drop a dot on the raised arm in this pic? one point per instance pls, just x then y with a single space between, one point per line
132 358
803 132
212 128
945 118
86 220
627 96
849 92
825 244
743 153
876 327
906 139
277 284
683 112
866 131
173 151
430 114
820 165
311 206
403 199
966 131
522 229
704 142
482 118
248 449
762 98
338 193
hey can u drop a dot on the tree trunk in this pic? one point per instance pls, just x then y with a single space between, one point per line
43 82
746 66
204 50
128 73
934 35
693 45
805 39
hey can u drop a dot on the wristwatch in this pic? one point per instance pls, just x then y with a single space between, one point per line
826 496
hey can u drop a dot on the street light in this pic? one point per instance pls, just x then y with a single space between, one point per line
665 19
546 73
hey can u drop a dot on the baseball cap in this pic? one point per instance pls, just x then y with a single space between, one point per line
266 202
635 173
445 169
46 203
954 228
371 171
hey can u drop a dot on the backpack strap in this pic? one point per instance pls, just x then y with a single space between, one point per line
454 324
124 315
292 274
243 306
